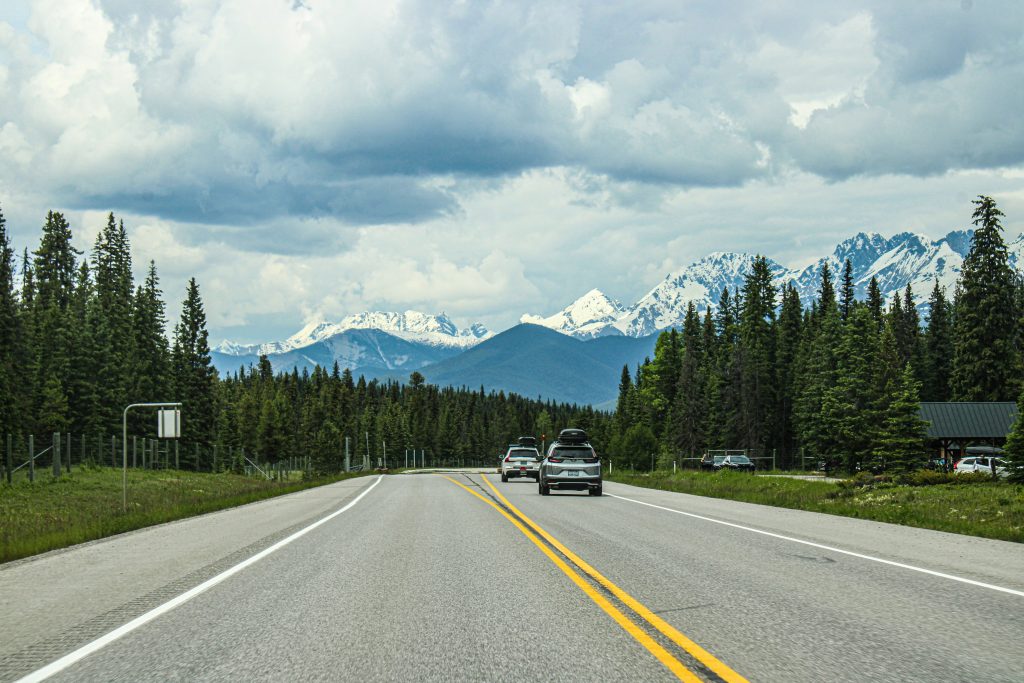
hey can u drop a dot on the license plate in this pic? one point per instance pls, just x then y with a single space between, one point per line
574 473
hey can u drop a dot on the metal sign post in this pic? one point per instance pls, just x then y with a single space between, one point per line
168 427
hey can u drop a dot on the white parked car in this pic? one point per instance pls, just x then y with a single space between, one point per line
520 462
981 464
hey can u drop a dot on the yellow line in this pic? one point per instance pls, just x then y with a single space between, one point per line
699 653
663 655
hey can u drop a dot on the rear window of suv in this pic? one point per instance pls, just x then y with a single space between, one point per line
571 452
523 453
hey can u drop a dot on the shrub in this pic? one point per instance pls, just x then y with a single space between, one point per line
926 478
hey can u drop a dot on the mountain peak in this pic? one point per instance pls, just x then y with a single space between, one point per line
589 316
414 326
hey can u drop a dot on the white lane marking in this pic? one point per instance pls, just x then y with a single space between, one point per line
830 548
101 642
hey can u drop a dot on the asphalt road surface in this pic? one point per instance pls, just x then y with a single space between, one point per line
460 577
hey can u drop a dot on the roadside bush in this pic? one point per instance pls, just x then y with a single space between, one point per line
926 478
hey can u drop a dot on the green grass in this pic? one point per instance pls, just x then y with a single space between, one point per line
54 513
975 506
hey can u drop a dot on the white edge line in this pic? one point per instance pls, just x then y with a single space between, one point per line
101 642
830 548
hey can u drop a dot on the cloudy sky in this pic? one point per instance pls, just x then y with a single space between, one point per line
306 159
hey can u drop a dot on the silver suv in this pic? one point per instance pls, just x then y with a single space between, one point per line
520 462
571 464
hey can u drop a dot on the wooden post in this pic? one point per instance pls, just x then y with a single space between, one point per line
69 452
9 459
31 457
113 451
56 454
135 451
213 468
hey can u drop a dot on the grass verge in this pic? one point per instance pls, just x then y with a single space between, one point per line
970 505
55 513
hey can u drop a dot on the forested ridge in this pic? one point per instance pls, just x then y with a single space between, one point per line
79 341
834 379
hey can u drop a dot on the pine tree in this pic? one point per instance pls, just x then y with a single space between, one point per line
875 302
849 406
84 361
787 345
10 337
986 366
846 299
623 418
687 418
194 377
152 356
1015 445
115 341
827 291
756 357
938 345
900 444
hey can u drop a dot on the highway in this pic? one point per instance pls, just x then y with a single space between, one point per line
457 576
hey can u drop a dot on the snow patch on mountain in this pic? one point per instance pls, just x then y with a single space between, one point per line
413 326
589 316
905 258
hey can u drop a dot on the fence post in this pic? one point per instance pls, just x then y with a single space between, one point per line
213 467
31 457
9 459
773 460
135 451
56 454
68 449
113 451
82 461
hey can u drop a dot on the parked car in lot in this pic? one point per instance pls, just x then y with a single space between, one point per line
981 464
571 464
711 462
520 462
735 462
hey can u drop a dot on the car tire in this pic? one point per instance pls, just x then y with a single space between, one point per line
544 490
504 477
598 491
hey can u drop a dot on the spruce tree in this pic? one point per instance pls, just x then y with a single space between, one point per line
787 346
152 356
986 365
1015 445
875 302
194 377
846 293
938 348
756 357
687 418
115 341
11 339
900 443
84 361
849 406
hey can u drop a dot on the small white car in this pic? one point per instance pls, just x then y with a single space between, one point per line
520 462
981 464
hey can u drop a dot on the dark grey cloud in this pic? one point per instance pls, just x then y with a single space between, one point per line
243 112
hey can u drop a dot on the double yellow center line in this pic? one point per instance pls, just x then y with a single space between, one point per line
535 533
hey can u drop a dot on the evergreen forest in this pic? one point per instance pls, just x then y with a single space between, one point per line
80 340
836 380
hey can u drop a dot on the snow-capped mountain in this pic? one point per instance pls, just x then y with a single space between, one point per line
701 282
905 258
591 315
411 326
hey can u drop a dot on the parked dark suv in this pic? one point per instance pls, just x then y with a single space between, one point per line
571 464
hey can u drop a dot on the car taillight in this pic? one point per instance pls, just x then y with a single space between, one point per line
554 460
508 459
590 461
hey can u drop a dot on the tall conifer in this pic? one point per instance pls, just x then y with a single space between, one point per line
985 361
